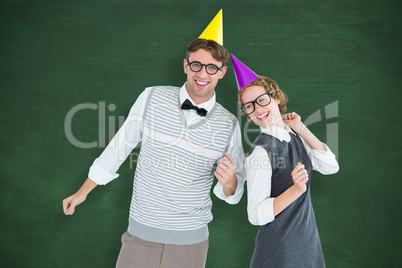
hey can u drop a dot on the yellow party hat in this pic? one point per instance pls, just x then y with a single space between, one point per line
214 30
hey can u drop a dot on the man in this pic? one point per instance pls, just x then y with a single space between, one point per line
183 133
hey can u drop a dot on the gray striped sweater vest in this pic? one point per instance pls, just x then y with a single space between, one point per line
171 201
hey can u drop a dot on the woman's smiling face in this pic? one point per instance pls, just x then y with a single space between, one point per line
262 116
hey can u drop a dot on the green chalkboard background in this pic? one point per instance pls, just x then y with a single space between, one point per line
339 62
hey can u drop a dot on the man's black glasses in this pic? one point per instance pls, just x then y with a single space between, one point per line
196 66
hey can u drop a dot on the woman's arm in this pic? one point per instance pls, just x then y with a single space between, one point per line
300 177
261 207
293 120
322 159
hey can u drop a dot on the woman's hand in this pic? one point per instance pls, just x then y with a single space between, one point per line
293 120
300 178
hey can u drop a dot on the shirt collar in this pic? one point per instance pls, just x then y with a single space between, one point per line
208 105
278 132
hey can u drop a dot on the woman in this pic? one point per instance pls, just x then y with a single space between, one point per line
278 172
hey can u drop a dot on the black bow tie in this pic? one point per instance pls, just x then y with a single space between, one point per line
187 105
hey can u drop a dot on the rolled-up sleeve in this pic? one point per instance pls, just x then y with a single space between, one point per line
260 206
322 161
104 168
100 176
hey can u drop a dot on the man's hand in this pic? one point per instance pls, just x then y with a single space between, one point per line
71 202
225 174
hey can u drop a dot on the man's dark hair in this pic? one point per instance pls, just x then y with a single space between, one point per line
218 52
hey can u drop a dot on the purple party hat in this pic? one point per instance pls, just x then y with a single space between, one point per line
244 76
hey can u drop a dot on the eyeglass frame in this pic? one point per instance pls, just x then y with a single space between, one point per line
206 65
255 101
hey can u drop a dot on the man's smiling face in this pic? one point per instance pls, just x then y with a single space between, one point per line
201 85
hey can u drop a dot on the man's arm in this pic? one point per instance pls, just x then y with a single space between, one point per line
225 175
71 202
231 184
104 168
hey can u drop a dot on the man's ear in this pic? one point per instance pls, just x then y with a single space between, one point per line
223 72
185 65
